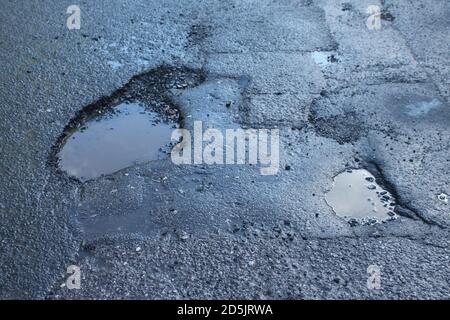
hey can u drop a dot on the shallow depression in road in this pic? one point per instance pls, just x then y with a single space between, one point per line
356 197
126 135
323 58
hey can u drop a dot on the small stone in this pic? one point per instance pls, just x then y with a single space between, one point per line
347 6
443 197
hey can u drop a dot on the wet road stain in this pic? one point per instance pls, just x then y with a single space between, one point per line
421 108
125 136
356 197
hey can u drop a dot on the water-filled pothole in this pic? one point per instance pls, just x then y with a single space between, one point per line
131 126
356 197
323 58
126 135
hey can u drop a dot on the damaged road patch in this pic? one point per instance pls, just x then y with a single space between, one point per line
357 198
345 128
131 126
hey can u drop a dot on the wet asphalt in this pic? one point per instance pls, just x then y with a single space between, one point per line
343 97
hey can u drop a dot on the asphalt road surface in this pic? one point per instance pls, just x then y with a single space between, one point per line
343 93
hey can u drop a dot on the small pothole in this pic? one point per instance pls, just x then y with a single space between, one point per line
323 58
125 135
356 197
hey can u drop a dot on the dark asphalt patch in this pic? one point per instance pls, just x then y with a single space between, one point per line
343 128
198 33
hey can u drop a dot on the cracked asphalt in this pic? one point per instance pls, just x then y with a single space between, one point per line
379 101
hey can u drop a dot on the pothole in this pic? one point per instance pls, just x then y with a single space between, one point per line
131 126
356 197
323 58
126 135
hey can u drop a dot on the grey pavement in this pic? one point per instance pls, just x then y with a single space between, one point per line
379 100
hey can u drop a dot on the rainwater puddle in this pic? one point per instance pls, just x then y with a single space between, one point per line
356 197
127 135
323 58
421 108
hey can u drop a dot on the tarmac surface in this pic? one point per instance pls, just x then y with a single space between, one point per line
343 95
